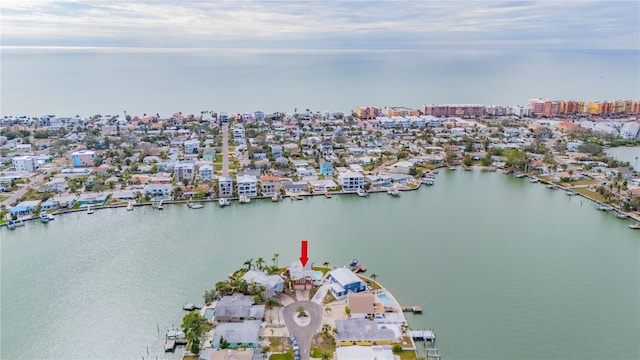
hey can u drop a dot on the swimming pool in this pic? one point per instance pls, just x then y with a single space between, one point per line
208 313
385 300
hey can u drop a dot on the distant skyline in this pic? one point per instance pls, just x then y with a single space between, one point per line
596 25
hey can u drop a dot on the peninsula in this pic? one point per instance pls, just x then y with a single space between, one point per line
301 312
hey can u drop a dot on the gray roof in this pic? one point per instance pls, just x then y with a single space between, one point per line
237 306
362 329
268 281
240 332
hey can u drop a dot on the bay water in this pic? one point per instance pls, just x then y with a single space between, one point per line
504 269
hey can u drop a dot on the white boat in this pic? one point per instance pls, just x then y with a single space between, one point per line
327 195
89 210
44 217
635 226
50 216
602 207
130 206
534 180
552 186
571 193
158 205
428 180
244 199
223 202
195 206
11 225
622 215
14 224
362 193
275 197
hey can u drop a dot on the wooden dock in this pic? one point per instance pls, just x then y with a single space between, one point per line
413 309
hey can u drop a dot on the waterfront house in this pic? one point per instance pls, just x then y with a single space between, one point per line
363 332
237 308
295 187
157 191
344 281
225 187
270 185
87 199
49 204
364 305
247 185
302 277
24 207
351 181
273 284
321 186
276 150
237 334
326 168
378 180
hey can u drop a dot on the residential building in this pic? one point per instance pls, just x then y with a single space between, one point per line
206 172
209 154
368 112
550 108
243 334
276 150
238 307
247 185
258 115
191 146
521 111
351 181
460 110
183 170
270 185
326 168
363 332
24 163
344 281
55 185
239 133
537 106
273 284
83 158
321 186
365 305
157 191
225 186
570 107
24 207
401 111
357 352
87 199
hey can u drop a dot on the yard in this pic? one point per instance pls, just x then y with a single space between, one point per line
590 194
285 356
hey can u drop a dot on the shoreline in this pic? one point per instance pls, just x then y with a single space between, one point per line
630 215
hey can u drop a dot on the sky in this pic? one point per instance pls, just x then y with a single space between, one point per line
381 25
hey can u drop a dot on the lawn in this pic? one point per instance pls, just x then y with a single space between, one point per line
3 198
407 355
584 182
590 194
285 356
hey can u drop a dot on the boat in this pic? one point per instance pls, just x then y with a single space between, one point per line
552 186
89 210
192 205
602 207
327 195
428 180
44 217
635 226
223 202
520 175
12 224
356 266
452 167
534 180
50 216
276 197
571 193
244 199
159 205
394 193
621 215
130 206
362 193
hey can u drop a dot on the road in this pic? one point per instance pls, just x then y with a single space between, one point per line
35 181
304 334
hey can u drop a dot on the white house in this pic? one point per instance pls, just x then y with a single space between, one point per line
247 185
25 163
344 281
184 170
351 181
157 191
630 130
191 146
206 172
273 284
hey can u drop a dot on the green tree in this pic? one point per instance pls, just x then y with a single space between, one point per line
516 158
467 160
301 311
194 326
397 348
486 160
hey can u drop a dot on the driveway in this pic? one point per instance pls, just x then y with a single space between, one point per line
305 333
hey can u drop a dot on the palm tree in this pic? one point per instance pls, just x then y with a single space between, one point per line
248 264
326 355
260 263
326 329
326 264
275 259
374 277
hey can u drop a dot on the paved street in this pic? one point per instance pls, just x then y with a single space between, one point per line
303 334
23 190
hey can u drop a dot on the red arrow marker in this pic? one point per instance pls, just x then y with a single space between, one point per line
303 256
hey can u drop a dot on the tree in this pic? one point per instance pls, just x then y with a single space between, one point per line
210 296
486 160
301 311
347 311
467 160
194 326
275 258
248 264
260 263
374 277
397 348
326 355
517 159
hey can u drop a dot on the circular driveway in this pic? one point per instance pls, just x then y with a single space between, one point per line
305 333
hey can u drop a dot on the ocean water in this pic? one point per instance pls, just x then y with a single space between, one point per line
88 81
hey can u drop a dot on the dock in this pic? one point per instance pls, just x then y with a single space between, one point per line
413 309
190 307
425 335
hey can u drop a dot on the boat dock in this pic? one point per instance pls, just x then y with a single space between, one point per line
173 339
413 309
424 335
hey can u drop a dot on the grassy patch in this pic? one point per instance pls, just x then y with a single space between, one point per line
322 343
190 357
329 298
374 285
407 355
3 198
584 182
2 221
590 194
285 356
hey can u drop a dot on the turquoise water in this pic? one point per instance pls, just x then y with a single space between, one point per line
384 299
209 312
503 269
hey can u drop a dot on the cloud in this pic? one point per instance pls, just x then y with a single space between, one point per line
322 24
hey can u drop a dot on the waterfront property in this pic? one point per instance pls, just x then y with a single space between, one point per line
363 332
273 284
357 352
237 334
344 281
364 305
238 307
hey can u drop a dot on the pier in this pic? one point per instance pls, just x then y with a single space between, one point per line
424 335
413 309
